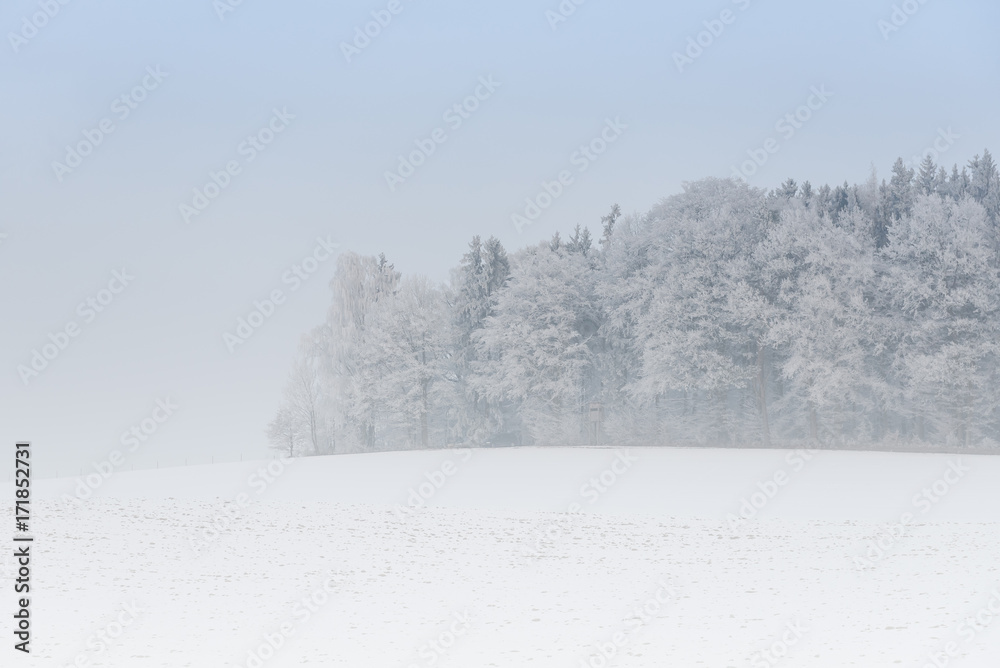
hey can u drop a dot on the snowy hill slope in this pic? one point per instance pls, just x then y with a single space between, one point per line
697 483
682 482
847 562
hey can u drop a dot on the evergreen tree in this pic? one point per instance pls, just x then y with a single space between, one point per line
580 241
806 193
471 305
941 182
497 267
788 189
608 223
882 215
900 191
958 184
483 272
984 184
841 200
928 175
824 201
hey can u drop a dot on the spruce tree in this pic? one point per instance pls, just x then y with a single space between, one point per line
927 176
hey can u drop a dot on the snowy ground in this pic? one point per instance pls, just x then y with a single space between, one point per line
200 566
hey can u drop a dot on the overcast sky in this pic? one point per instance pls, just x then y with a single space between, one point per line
183 85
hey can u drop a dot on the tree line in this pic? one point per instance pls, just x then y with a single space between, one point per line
725 315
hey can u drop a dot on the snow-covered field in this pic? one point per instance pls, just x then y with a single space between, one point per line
523 557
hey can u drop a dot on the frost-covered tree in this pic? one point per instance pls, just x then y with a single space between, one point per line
788 189
706 331
303 395
724 315
984 184
580 242
283 433
824 273
608 224
475 286
537 350
624 289
958 183
358 285
402 365
824 200
806 194
900 190
942 281
840 201
927 177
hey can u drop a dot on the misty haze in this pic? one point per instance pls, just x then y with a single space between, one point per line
566 333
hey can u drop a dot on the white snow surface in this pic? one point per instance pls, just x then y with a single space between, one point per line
495 571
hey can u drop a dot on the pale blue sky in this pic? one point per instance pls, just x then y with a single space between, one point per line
324 175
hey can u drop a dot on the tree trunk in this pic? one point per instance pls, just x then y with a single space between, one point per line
424 434
312 431
813 424
762 395
424 408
